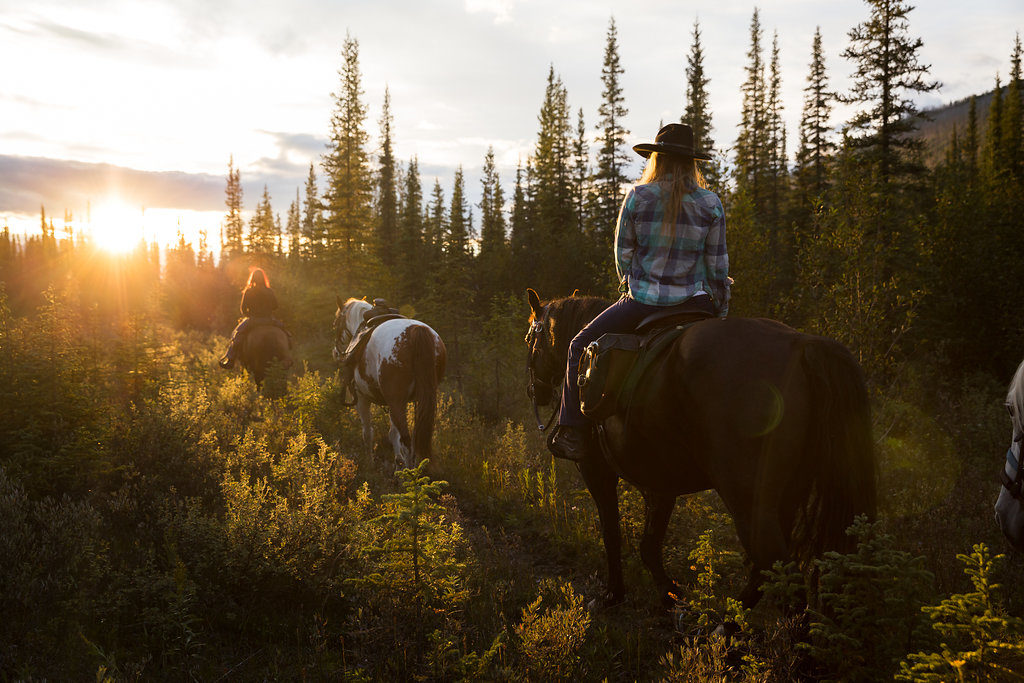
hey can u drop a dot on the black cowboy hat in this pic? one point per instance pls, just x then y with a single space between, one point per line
676 139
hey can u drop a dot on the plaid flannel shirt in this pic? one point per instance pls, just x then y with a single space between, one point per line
662 268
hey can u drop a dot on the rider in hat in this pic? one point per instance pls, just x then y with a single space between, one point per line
258 303
669 249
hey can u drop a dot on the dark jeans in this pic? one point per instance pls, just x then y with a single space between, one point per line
622 316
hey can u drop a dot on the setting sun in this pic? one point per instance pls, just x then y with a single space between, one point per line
115 226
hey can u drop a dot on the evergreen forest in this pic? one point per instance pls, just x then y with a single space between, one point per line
162 519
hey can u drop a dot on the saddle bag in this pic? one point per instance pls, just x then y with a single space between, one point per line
603 369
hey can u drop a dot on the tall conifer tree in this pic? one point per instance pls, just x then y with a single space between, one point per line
233 225
294 227
698 107
387 202
610 176
752 141
816 145
888 74
312 219
349 188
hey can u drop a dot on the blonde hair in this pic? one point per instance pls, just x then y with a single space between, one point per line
681 171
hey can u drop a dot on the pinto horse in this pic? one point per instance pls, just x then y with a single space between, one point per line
403 361
1010 503
262 345
776 421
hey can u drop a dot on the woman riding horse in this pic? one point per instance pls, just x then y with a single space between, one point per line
258 305
669 250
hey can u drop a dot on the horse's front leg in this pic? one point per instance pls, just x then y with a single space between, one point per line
602 482
658 511
366 420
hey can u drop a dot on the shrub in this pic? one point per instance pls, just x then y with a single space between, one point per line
553 632
980 642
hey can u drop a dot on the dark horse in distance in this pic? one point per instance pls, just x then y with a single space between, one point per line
264 344
774 420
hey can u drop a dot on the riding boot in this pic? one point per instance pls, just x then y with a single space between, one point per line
572 443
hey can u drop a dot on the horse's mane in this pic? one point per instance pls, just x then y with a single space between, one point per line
569 315
1015 399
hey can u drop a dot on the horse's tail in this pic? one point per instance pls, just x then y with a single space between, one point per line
427 369
839 452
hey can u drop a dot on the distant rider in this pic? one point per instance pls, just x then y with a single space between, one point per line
258 305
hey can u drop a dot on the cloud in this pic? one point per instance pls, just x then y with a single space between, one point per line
58 184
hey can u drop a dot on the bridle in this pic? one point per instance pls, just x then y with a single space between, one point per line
533 338
1014 485
342 336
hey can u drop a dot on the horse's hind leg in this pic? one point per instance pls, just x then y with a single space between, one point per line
366 420
658 512
399 435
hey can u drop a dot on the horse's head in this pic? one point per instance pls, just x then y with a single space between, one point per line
346 322
545 366
1010 504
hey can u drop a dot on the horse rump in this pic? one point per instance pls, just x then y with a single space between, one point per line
428 367
838 453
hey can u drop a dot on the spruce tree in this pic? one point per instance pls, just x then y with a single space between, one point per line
1013 116
816 145
294 228
233 225
492 220
349 195
457 237
580 173
312 219
777 162
697 112
752 141
553 203
409 248
613 159
263 231
995 151
888 74
387 202
437 224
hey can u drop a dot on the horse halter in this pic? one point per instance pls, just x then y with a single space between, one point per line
533 336
341 334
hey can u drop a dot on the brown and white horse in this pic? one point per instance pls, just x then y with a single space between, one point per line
403 361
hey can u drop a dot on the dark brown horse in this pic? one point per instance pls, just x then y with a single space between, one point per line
776 421
264 344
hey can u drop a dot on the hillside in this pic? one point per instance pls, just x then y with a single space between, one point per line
937 131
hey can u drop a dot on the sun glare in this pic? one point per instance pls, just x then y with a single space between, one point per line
116 227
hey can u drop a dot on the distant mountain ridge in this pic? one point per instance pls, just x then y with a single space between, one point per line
936 133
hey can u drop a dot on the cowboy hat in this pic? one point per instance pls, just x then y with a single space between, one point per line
676 139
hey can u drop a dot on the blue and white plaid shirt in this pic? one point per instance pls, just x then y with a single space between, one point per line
668 266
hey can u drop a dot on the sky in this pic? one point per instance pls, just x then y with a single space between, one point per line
126 112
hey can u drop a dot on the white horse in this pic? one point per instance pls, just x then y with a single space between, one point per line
1010 504
403 361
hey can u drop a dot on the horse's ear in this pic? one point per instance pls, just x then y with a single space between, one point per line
534 300
341 304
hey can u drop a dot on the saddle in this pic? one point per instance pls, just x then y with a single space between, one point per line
362 336
262 321
612 367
